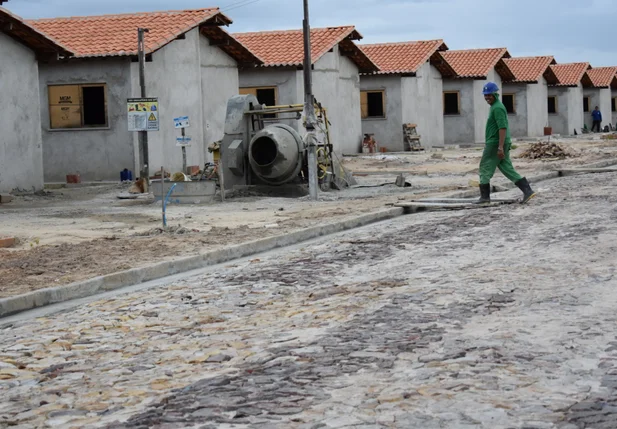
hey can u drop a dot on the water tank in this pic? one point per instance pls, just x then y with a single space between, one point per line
276 154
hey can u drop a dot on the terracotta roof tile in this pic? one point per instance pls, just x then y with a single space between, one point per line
477 63
403 57
603 77
531 69
19 29
116 35
572 74
286 48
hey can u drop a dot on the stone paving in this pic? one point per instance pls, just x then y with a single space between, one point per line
488 318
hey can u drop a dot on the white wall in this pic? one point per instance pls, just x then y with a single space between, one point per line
614 114
460 128
21 153
518 121
575 109
422 101
559 121
537 108
481 107
388 131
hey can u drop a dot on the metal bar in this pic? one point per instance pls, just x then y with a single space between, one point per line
143 135
183 153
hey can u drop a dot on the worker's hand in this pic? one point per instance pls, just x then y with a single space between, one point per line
501 154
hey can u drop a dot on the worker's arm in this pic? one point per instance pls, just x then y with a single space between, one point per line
502 141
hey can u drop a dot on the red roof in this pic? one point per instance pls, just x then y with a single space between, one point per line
15 27
403 57
286 48
603 77
532 69
116 35
478 63
572 74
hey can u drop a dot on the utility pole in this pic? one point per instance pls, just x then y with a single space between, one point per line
144 173
309 106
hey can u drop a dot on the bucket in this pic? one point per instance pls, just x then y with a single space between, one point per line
548 131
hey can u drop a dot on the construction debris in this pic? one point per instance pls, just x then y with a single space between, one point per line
545 150
176 230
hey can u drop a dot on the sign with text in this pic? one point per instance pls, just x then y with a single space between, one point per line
182 122
183 141
143 114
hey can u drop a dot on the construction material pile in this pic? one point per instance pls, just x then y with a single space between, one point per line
545 150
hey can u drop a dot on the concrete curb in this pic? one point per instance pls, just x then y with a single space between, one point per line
43 297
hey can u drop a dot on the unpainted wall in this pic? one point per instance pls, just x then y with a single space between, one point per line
460 128
569 114
336 85
600 97
423 105
174 77
388 131
518 121
94 153
21 153
594 100
614 114
537 108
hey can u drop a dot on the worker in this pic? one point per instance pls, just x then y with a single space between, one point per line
497 149
597 119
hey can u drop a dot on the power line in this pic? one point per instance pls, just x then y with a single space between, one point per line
238 4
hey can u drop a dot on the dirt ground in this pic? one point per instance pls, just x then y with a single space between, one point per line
71 234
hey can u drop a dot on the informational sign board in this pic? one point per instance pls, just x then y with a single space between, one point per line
143 114
182 122
183 141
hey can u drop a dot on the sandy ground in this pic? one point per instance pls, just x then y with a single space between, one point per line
71 234
492 318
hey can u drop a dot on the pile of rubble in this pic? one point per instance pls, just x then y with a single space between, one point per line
544 150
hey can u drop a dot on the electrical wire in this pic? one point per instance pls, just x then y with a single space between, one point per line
239 4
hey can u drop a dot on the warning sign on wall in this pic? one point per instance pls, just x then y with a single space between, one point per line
143 114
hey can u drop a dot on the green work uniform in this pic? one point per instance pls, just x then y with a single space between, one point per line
497 120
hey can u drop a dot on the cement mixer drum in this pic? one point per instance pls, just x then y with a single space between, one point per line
276 154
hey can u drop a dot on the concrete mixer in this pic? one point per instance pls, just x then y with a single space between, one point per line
254 154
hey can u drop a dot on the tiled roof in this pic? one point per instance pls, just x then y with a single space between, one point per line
403 57
532 69
15 27
572 74
286 48
477 63
602 77
116 35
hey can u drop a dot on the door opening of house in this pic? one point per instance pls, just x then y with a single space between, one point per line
552 104
586 103
508 101
265 95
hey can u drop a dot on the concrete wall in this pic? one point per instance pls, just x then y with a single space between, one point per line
21 153
336 85
482 108
569 114
460 128
594 100
389 130
219 82
423 105
95 153
602 99
614 114
518 121
537 108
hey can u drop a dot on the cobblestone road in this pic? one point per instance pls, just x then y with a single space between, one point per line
490 318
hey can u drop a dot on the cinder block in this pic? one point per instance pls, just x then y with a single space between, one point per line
7 242
5 198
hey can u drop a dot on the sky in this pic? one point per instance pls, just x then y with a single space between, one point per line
570 30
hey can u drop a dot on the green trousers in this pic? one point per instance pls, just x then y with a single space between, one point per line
490 162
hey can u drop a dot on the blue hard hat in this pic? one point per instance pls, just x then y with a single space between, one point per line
490 88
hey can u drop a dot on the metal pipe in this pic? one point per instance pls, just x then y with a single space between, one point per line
165 204
143 135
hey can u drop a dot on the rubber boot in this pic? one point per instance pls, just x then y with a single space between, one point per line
528 193
485 194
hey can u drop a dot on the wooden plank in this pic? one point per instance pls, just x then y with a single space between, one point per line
415 207
464 200
571 171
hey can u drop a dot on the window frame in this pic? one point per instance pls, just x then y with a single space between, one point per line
613 104
556 105
588 98
364 106
458 101
513 113
80 104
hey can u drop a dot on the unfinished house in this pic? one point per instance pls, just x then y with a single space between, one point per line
565 99
21 147
337 64
464 108
603 80
407 89
192 68
526 97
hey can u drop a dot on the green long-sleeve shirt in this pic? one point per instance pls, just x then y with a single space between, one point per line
497 120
